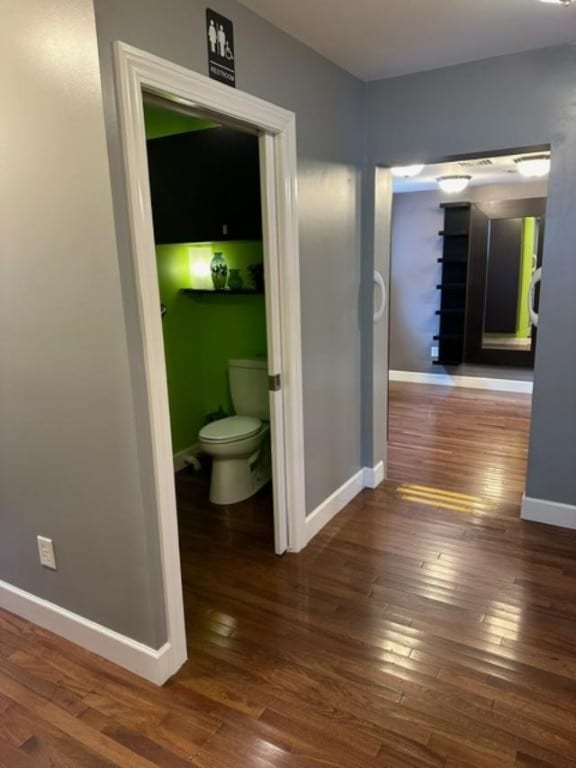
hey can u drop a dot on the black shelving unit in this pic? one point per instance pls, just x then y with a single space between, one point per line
453 284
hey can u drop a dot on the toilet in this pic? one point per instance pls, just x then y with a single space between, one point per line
240 445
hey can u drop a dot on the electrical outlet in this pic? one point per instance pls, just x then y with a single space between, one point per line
46 551
434 351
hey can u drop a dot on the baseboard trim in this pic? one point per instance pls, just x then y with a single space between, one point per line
368 477
472 382
335 503
549 512
154 665
373 476
179 463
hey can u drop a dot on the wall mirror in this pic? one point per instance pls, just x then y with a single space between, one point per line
506 240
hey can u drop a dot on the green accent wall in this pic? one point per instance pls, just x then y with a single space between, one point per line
202 332
529 235
164 122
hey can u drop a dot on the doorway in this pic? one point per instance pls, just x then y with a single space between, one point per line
466 251
140 73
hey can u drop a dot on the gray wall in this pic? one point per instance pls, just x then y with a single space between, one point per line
75 464
512 101
416 220
327 103
68 462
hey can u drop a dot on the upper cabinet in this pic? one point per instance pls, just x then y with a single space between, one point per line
205 186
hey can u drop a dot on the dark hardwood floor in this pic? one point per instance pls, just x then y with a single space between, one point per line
425 627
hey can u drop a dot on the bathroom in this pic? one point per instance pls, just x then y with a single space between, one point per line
211 293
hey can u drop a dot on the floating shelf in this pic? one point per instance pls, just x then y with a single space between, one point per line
225 292
450 311
448 336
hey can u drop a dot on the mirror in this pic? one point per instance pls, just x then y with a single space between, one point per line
505 248
511 259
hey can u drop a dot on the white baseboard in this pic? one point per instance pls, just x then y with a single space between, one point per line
472 382
373 476
154 665
549 512
369 477
330 507
179 463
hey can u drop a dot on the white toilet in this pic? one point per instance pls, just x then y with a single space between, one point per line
240 445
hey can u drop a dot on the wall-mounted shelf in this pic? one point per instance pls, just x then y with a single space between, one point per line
225 292
447 336
453 283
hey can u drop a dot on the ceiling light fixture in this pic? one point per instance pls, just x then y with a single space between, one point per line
533 166
565 3
406 171
453 184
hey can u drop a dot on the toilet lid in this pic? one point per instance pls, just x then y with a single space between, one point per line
230 429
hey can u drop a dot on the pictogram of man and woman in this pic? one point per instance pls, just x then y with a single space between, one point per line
218 42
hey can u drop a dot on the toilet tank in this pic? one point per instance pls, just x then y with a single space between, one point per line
249 387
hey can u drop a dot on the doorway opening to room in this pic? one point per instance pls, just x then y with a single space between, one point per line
466 258
207 214
214 234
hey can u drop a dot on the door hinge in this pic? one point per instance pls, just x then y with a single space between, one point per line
274 384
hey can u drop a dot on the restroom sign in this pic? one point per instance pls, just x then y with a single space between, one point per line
220 39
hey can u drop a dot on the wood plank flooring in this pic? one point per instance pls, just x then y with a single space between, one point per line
425 627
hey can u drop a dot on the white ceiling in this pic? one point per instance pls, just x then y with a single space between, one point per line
488 170
374 39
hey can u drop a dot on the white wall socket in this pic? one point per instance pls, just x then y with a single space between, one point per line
434 351
46 551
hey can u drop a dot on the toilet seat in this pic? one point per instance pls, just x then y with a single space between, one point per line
230 430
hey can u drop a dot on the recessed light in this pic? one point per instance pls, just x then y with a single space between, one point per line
406 171
453 184
533 166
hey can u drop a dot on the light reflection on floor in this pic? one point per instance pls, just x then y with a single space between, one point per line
439 498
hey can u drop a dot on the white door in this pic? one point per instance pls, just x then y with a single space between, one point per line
382 237
273 332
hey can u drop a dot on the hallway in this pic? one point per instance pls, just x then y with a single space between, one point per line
459 439
425 627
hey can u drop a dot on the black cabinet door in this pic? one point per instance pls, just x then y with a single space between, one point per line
205 186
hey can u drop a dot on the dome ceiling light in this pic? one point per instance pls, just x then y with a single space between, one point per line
453 184
533 166
406 171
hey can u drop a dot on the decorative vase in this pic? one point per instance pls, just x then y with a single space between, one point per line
219 271
235 282
256 272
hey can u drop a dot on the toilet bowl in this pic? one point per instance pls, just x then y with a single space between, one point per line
240 445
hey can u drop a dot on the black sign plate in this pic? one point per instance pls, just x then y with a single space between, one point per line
220 39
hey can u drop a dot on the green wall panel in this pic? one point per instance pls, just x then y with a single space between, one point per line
202 332
163 122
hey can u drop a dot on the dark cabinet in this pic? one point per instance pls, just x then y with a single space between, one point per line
205 186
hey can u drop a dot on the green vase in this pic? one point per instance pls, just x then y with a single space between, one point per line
219 271
235 282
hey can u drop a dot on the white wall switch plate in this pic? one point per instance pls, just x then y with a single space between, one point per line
46 551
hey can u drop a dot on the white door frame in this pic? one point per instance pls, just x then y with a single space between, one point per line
138 71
